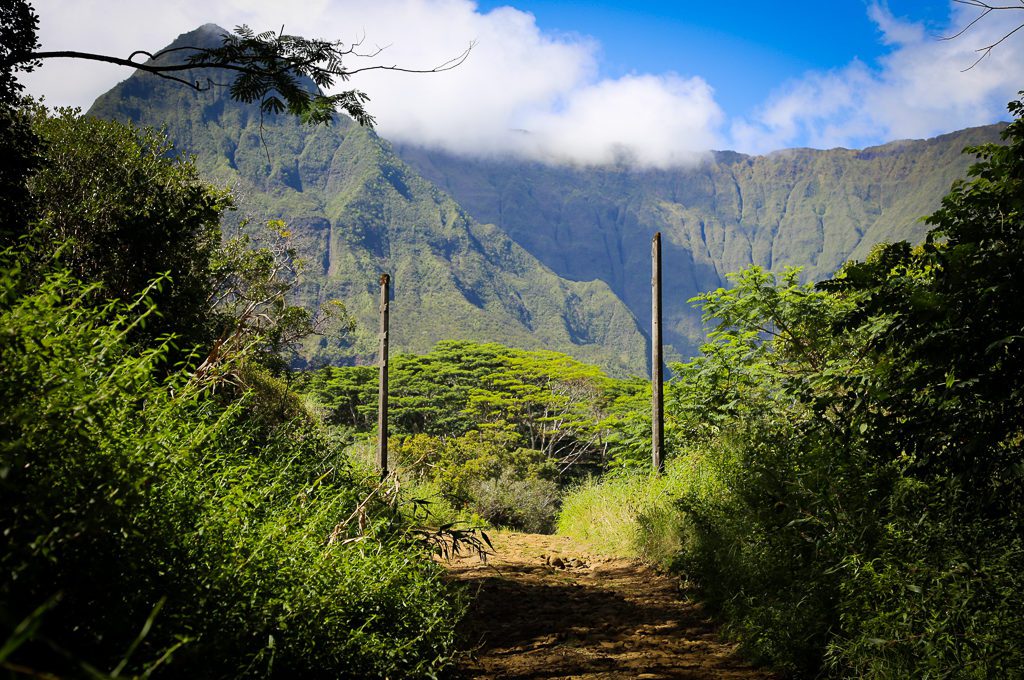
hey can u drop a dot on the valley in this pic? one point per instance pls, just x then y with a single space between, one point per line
798 208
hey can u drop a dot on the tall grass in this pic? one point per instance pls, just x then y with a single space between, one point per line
636 513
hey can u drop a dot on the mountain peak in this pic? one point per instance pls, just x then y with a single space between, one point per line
207 35
210 28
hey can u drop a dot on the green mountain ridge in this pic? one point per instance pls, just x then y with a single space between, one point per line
799 207
529 254
356 210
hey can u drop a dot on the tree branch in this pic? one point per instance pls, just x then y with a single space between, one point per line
269 68
452 63
986 10
149 68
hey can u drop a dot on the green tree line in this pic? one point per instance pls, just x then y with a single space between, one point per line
493 430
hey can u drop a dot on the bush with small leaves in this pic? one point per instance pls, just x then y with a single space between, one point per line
153 526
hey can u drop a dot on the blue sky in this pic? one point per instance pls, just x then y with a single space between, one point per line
656 84
743 49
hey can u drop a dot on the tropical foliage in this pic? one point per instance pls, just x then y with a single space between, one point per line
853 490
168 505
495 430
846 485
123 212
150 526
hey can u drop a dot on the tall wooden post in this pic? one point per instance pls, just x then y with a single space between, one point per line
657 392
382 393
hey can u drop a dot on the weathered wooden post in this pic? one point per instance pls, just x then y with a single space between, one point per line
382 393
657 394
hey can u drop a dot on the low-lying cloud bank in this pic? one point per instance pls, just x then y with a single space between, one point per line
537 95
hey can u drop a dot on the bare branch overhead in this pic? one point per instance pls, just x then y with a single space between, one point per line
986 9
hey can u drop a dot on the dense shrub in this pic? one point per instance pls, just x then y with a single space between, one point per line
528 504
480 473
861 442
124 208
152 525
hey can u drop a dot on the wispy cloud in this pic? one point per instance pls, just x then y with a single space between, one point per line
922 87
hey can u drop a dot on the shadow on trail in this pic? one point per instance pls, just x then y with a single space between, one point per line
543 608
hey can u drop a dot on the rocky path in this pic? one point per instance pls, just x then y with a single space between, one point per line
546 608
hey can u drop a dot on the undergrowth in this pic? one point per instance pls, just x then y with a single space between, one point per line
155 525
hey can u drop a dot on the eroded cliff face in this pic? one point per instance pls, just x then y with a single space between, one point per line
536 255
799 207
355 210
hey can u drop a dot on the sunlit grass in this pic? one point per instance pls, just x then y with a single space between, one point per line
635 514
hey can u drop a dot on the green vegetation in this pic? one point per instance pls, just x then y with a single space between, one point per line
354 210
150 525
630 514
852 499
846 485
122 214
494 431
169 506
799 207
18 144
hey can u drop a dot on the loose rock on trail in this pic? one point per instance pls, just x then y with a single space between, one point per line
544 607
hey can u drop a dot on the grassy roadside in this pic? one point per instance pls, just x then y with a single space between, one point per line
636 513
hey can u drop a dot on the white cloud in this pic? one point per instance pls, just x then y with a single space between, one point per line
919 89
658 120
519 78
516 77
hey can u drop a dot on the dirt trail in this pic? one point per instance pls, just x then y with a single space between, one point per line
546 608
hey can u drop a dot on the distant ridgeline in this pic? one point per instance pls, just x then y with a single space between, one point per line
798 207
532 255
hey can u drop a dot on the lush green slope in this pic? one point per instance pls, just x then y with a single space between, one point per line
800 207
570 245
355 210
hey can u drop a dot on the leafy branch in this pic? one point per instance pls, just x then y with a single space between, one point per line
250 286
271 68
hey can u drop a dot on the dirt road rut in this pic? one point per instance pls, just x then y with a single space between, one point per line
546 608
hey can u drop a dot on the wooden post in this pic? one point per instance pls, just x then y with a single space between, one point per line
382 393
657 393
